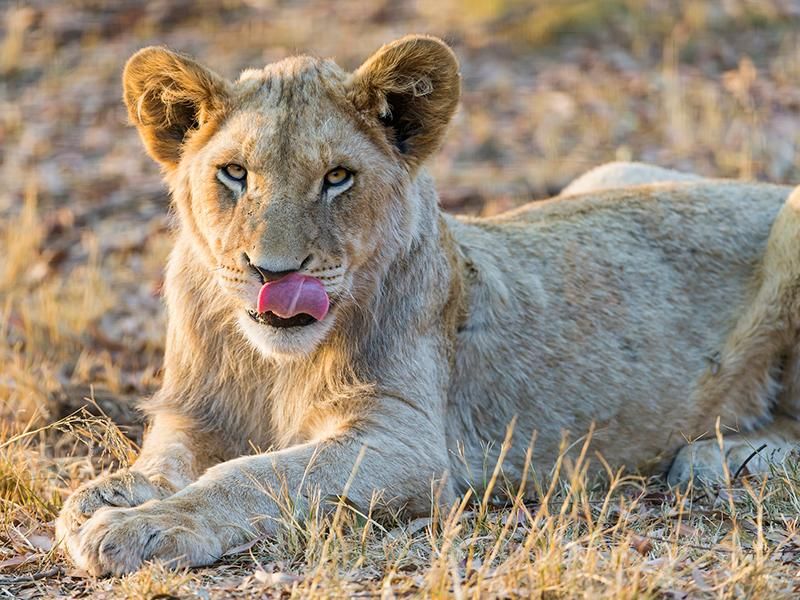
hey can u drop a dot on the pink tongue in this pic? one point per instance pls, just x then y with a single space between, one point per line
292 295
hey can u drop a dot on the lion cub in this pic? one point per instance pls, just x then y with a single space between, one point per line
321 305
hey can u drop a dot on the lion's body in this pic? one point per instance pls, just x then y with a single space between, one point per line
606 308
645 312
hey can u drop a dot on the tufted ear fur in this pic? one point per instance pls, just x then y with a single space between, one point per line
412 86
169 97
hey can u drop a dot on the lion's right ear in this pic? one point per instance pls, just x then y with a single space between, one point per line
169 97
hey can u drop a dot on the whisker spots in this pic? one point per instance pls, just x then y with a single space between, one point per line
234 279
231 269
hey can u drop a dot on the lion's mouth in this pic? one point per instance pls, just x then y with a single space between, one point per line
273 320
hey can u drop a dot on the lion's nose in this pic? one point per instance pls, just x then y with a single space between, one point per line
267 273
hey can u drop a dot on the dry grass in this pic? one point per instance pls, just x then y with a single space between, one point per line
615 537
551 89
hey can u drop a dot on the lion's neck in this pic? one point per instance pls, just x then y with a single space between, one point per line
417 292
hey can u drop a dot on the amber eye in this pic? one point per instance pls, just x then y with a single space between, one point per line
337 176
234 171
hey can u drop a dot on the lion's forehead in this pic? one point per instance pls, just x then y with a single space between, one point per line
300 83
294 114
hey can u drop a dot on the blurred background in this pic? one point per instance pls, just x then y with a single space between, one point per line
551 88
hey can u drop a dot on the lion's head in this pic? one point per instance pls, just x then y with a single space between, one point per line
296 182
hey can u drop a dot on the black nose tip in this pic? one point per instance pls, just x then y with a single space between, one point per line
265 275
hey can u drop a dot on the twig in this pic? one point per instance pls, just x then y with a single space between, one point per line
749 458
30 577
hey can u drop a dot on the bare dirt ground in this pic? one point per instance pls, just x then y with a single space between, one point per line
551 88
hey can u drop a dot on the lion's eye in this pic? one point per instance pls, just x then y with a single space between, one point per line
337 176
233 177
235 172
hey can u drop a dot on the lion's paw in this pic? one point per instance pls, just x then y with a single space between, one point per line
705 463
116 541
121 489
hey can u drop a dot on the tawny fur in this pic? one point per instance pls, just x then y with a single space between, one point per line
646 312
623 174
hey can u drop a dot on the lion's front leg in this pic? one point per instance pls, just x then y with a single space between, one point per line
240 499
167 464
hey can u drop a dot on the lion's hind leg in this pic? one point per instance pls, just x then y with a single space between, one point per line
755 385
748 382
756 453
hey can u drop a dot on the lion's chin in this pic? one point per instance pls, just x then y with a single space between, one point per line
285 342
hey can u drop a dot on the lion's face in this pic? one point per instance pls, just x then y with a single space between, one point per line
291 182
294 181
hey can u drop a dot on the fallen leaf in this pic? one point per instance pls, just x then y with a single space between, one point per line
701 580
245 546
279 578
641 544
41 542
410 529
687 530
15 561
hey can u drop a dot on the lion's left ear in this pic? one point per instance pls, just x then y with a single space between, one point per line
412 86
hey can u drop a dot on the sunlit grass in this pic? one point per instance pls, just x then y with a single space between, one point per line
619 536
